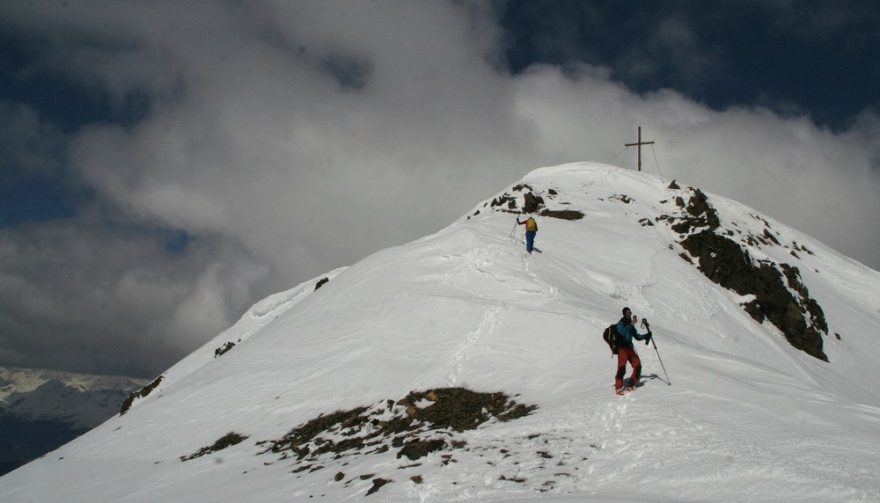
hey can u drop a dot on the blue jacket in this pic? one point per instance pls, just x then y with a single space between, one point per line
626 332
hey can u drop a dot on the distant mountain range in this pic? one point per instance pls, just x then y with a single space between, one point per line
41 410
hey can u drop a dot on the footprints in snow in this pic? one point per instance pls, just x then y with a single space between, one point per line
505 272
486 327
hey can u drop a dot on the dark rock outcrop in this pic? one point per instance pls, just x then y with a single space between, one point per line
417 425
141 393
228 440
780 296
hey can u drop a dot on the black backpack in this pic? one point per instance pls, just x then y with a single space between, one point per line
610 337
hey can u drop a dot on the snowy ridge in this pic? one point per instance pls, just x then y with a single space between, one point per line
258 316
746 417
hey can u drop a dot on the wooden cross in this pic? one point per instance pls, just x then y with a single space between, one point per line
639 144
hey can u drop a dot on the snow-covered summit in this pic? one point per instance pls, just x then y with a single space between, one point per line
325 392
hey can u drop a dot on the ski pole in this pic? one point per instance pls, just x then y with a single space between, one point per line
648 326
513 231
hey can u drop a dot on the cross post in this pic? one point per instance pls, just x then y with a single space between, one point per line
639 144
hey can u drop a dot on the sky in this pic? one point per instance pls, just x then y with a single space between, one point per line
166 165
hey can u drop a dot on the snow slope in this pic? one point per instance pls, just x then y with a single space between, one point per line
746 417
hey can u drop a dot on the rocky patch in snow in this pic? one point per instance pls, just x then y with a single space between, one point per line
223 349
562 214
415 426
141 393
228 440
778 293
524 198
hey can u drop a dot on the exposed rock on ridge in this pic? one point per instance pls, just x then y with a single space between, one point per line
780 296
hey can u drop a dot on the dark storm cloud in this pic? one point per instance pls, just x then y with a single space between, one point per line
242 148
83 296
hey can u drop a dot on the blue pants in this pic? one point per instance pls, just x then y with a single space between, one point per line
530 240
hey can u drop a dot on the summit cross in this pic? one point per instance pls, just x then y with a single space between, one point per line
639 144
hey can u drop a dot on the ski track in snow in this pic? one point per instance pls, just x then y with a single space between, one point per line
486 327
